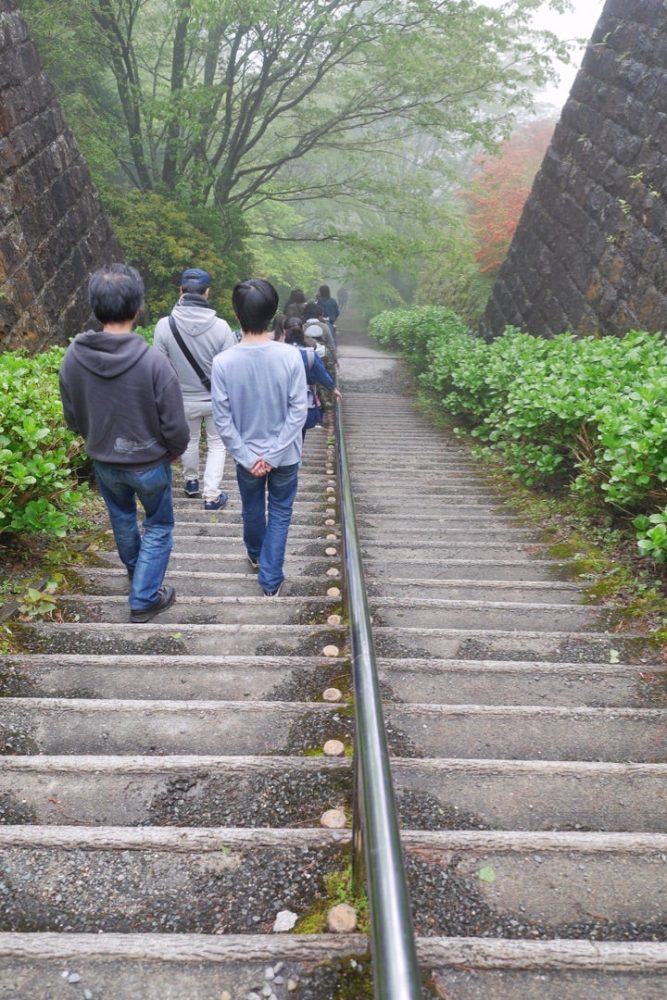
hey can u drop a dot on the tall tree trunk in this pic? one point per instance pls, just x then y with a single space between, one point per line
170 164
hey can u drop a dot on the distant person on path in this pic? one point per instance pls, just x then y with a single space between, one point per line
316 373
343 298
123 397
202 335
316 326
329 305
260 405
295 303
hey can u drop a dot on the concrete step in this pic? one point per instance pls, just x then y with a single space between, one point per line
297 548
606 886
480 590
130 727
433 613
234 559
402 534
494 969
440 551
384 572
184 639
456 793
499 682
120 879
110 581
528 732
172 791
206 525
515 644
197 610
177 966
187 678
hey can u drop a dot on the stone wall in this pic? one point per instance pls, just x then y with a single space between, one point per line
590 251
52 228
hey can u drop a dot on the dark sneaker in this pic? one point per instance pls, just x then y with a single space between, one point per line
254 564
165 598
191 488
276 592
216 504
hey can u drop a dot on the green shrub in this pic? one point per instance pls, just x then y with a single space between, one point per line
589 413
160 238
38 455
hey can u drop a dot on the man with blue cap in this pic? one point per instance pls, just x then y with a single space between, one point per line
191 337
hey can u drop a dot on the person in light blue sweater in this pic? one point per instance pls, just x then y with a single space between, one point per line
258 392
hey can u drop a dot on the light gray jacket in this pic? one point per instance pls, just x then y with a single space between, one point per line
205 335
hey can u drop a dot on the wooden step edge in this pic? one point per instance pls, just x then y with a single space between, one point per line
182 948
540 956
160 660
138 764
519 841
178 839
543 711
584 668
166 706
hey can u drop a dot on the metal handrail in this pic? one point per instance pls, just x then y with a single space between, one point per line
375 829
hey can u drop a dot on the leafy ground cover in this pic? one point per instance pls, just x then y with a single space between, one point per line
584 417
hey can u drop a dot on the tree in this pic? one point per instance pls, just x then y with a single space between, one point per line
222 101
499 188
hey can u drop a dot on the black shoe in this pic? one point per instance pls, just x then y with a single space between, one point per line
276 592
165 598
254 564
218 503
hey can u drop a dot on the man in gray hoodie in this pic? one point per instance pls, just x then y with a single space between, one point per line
202 335
122 397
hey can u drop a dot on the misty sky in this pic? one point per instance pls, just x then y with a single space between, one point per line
579 23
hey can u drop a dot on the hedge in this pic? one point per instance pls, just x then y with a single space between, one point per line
38 455
589 413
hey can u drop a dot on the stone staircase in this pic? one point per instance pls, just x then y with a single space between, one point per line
164 789
164 793
528 737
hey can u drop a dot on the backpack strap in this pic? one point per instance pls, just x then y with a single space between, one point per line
198 370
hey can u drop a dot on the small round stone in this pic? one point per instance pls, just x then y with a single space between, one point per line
332 694
331 489
334 620
333 592
333 571
341 919
329 472
331 537
331 482
333 748
330 651
331 551
333 819
329 522
330 511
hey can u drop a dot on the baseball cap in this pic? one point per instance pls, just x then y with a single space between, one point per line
195 274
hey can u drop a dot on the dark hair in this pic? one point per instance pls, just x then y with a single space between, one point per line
324 292
255 303
296 295
279 325
312 310
115 293
295 335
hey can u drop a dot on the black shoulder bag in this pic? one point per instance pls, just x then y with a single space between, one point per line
206 382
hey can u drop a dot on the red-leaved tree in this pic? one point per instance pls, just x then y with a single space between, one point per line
498 190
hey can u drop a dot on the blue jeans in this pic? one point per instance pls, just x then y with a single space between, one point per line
145 556
265 526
